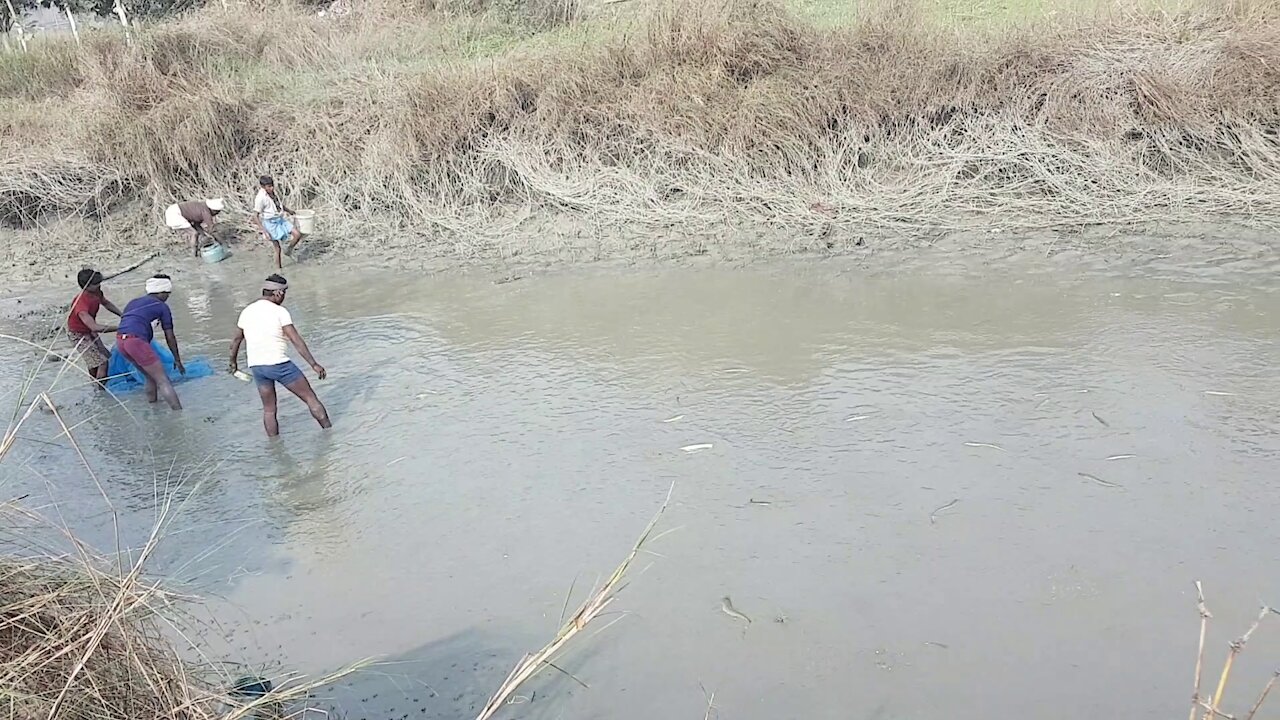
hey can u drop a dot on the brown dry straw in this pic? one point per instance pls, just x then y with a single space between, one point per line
1212 705
590 609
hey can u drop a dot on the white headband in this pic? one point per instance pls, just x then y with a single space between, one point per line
159 285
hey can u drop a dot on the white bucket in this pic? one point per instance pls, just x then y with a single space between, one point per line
306 221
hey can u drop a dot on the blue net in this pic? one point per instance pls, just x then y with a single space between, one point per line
125 377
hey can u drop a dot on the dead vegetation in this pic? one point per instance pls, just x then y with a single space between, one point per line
405 121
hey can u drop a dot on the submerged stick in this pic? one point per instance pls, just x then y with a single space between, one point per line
1262 698
131 268
590 609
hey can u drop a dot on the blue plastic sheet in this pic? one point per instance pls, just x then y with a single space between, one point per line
125 377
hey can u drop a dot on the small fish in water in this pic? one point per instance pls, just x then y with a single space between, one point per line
1121 457
933 516
696 448
674 419
393 462
856 418
726 607
754 501
1099 419
1217 393
983 445
1098 480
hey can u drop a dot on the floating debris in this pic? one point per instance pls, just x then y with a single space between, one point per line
754 501
676 418
697 447
1099 419
983 445
1098 480
1121 457
933 516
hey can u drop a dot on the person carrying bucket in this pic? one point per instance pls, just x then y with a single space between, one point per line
264 327
133 338
194 218
269 213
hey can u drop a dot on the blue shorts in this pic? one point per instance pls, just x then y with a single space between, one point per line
285 373
278 227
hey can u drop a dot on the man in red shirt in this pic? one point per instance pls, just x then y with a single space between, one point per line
83 327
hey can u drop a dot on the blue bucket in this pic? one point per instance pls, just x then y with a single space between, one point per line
213 252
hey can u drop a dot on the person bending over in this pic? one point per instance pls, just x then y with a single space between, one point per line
194 219
134 338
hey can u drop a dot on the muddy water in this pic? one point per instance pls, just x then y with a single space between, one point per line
1099 442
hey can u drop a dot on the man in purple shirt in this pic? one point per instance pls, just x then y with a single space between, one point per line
134 334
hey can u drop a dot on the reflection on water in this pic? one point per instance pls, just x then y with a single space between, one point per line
1106 442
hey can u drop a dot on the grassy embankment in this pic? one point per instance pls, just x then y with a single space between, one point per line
456 124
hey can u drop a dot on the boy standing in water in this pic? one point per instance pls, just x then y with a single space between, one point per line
82 324
267 212
135 334
264 326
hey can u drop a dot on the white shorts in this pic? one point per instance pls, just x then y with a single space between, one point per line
173 218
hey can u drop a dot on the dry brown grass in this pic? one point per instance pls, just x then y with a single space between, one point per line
700 113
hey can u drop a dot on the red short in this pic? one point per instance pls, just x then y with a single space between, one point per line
137 351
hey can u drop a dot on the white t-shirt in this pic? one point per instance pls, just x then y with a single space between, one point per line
263 324
264 205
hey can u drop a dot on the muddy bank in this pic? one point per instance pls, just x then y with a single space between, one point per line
552 243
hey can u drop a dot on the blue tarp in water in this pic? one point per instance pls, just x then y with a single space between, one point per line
125 377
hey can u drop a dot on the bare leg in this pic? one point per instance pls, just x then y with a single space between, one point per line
302 388
100 375
279 262
158 382
194 238
267 391
294 239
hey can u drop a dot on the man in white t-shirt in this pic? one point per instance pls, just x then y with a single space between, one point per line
264 327
269 212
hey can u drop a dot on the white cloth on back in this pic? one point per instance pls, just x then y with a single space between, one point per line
173 218
263 323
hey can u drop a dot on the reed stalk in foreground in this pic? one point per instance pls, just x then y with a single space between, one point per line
590 609
1212 705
